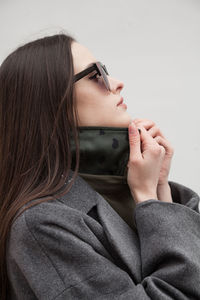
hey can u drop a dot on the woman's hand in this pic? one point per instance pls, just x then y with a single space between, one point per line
155 132
144 164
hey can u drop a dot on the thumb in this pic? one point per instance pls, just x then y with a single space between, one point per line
134 141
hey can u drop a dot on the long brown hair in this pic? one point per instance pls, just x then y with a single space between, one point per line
37 116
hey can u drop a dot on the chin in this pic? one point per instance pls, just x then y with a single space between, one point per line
124 120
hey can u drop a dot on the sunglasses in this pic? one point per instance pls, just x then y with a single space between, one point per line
101 71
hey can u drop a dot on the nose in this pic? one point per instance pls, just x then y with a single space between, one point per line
115 85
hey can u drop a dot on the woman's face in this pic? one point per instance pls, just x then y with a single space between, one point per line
96 106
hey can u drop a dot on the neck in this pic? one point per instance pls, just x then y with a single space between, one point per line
103 150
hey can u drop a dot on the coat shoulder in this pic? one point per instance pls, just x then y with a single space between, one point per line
184 195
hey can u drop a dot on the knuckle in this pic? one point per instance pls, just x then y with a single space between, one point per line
137 120
158 138
157 129
162 149
151 122
158 150
153 149
134 161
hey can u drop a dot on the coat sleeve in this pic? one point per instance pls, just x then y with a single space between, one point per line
53 262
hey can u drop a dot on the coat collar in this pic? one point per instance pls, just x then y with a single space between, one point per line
81 196
103 150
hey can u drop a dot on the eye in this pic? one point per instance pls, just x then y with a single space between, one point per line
95 76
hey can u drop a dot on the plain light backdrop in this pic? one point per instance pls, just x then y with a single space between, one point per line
152 46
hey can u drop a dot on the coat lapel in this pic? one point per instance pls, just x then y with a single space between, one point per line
123 241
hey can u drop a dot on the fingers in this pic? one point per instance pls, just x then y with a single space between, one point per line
146 138
169 150
150 126
155 131
134 141
148 142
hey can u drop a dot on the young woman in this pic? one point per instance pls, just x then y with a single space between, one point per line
86 208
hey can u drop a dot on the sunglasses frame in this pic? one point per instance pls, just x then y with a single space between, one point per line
101 70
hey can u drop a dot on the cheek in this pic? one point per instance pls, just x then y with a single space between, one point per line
93 99
90 104
91 95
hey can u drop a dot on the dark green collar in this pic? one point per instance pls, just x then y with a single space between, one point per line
103 150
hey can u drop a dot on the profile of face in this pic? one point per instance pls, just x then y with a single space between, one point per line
96 106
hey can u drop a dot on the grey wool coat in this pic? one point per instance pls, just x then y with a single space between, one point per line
78 247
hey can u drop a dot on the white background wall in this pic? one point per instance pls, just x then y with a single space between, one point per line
152 46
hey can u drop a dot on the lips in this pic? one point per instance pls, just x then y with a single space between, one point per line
121 101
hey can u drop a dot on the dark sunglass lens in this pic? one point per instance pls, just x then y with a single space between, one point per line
104 75
106 81
104 68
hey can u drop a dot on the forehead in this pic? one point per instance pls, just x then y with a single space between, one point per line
81 57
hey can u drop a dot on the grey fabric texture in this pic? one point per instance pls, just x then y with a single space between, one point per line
115 190
78 247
